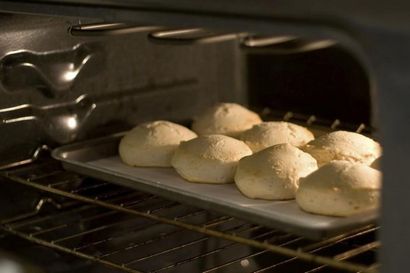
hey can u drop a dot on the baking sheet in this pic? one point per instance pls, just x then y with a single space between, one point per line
98 158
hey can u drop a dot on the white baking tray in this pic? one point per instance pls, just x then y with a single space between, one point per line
99 158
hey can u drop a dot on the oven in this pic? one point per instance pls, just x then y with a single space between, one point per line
71 71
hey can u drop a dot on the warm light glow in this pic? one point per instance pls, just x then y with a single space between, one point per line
8 266
245 263
69 75
71 122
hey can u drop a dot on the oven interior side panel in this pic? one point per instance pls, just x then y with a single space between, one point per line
63 88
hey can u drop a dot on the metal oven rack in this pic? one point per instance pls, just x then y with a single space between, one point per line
136 232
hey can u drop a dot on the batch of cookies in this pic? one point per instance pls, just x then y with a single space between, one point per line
335 174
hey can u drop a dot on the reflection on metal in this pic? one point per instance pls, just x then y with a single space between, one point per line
179 33
50 72
287 116
254 41
37 208
335 124
60 121
69 75
360 128
36 154
283 44
107 29
71 122
192 36
320 44
311 119
45 201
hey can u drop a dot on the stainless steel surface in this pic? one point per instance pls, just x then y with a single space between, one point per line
99 158
62 88
283 44
335 12
107 29
132 231
66 94
192 36
50 72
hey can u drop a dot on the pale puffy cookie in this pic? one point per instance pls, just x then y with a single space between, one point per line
343 145
225 119
267 134
340 188
273 173
209 159
376 164
152 144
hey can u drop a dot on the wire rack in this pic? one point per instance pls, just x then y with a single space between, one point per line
137 232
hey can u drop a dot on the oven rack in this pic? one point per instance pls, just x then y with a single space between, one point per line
147 224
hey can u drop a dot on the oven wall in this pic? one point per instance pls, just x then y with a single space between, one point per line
56 88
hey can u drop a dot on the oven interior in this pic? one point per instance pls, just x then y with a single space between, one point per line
65 80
